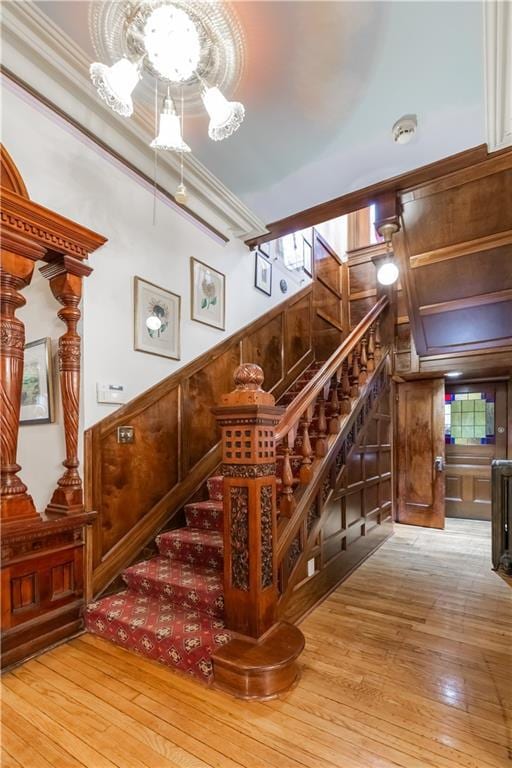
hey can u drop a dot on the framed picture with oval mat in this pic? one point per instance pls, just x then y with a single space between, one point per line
208 299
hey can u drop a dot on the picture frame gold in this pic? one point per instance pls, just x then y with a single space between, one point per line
37 392
151 301
207 295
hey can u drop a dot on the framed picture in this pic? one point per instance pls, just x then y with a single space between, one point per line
156 320
37 386
265 249
208 295
308 258
263 274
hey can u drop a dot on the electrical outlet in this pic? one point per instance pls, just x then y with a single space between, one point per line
125 435
311 567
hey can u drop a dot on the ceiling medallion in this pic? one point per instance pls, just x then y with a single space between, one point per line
194 49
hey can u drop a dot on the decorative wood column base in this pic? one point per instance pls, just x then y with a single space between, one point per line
66 501
16 508
259 669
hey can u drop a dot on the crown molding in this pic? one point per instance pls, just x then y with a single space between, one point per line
498 72
40 54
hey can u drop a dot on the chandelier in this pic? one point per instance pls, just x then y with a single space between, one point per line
187 49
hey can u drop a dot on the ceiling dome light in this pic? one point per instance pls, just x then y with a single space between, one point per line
387 273
225 116
172 43
169 134
115 84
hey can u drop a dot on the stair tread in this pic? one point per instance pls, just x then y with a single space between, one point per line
155 628
193 545
185 585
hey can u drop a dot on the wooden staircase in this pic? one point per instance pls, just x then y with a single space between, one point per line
212 602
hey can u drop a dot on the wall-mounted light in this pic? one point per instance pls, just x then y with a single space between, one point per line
387 273
453 374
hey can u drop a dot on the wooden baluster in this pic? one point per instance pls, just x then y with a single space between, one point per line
287 503
378 344
354 389
363 375
371 350
306 467
15 274
67 498
345 388
321 440
334 408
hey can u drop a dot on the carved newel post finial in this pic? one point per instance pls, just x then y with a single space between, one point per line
248 417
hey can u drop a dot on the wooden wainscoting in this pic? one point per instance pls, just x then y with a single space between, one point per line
136 487
330 325
350 514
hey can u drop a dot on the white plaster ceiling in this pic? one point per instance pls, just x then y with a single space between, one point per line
323 84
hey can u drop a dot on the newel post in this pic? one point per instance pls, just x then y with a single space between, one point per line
65 276
248 417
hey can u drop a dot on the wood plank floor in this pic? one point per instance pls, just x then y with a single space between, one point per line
407 664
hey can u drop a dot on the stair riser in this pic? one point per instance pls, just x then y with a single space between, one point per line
199 555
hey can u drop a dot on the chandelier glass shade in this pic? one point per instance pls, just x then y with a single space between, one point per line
169 134
192 49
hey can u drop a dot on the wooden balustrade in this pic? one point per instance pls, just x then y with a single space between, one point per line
252 427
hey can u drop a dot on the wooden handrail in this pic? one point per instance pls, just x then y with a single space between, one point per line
314 387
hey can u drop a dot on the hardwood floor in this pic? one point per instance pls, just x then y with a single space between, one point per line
407 664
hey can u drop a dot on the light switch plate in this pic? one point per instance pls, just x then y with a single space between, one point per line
110 393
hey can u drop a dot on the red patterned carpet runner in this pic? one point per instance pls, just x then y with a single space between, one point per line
172 609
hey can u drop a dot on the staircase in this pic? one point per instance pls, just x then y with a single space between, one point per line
172 609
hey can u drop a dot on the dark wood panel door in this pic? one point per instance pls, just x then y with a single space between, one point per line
420 454
476 433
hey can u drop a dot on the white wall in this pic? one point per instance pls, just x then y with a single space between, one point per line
66 172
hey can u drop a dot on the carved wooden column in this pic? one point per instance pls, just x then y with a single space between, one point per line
17 265
247 417
65 276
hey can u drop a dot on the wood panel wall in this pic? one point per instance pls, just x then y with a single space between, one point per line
350 514
330 324
136 487
455 252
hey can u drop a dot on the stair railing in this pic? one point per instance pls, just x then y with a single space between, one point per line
257 529
331 393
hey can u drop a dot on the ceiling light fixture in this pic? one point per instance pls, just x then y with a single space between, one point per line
453 374
183 44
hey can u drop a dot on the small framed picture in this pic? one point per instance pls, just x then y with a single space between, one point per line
156 320
308 258
37 385
208 295
263 274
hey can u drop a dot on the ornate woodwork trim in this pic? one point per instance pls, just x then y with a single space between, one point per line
239 516
10 177
267 538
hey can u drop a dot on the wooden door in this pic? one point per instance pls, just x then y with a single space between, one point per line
420 453
328 326
476 433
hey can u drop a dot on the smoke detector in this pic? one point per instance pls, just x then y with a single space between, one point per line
404 129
